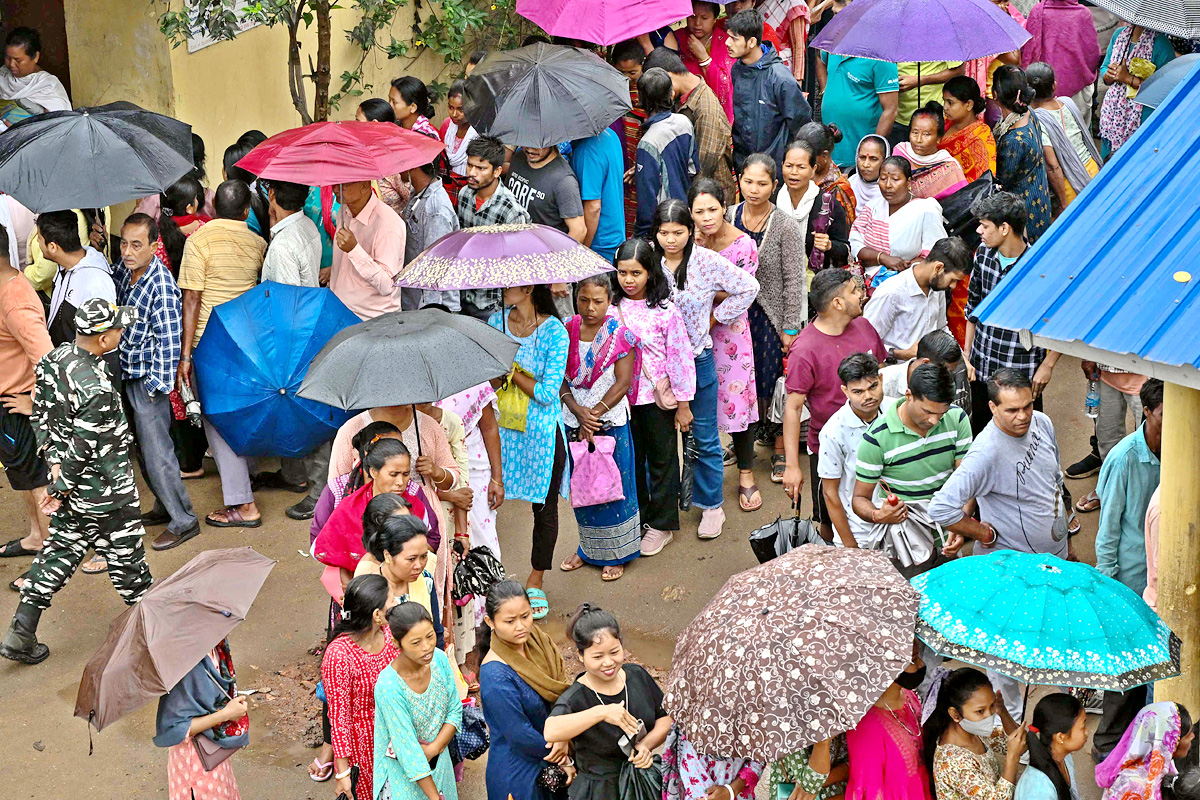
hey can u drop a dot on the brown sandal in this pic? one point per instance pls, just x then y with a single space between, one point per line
744 495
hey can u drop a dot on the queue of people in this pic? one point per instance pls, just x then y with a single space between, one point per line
775 261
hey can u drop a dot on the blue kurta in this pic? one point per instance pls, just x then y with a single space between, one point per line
528 457
404 719
516 716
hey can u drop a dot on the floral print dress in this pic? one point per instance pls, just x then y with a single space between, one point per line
733 352
959 774
1021 169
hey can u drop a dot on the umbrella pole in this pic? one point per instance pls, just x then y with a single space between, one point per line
1025 706
417 428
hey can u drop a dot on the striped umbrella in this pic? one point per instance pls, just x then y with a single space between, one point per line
1173 17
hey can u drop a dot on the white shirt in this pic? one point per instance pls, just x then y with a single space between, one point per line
902 313
895 379
840 439
294 255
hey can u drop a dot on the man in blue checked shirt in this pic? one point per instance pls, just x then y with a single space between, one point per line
150 351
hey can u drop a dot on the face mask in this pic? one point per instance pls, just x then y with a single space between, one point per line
911 680
981 727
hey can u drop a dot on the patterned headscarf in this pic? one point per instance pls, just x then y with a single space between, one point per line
1144 755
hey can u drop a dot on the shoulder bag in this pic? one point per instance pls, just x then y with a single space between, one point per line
664 395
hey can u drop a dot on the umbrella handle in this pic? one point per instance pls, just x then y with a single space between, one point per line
417 428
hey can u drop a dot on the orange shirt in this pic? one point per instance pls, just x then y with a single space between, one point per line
24 338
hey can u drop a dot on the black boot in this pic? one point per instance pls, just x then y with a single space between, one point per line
21 643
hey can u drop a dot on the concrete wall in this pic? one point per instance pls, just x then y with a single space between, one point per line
117 53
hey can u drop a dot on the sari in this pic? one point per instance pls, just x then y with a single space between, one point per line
885 755
936 176
1143 757
609 533
1054 126
974 148
719 74
862 191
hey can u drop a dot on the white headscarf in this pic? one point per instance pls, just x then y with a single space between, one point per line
865 192
38 88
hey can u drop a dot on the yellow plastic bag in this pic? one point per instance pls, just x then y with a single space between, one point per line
513 403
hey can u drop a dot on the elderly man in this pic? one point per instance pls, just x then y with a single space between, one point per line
149 350
368 252
221 261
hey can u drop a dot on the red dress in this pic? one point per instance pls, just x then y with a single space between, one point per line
349 673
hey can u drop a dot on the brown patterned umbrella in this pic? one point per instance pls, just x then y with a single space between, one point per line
792 652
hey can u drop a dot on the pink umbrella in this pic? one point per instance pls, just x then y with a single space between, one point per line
603 21
329 153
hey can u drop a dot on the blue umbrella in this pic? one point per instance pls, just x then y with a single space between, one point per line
1044 620
1155 89
255 351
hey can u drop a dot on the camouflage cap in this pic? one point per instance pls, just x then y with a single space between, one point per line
98 315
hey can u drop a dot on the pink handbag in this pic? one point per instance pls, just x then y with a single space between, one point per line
595 479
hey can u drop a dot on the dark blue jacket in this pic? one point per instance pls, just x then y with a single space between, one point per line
768 108
667 159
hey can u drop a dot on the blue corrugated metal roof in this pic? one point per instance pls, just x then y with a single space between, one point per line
1119 271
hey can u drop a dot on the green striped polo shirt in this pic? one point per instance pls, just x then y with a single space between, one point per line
913 467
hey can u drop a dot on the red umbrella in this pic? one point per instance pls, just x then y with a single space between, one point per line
329 153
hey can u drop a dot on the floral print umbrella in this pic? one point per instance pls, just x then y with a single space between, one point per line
1044 620
791 652
499 256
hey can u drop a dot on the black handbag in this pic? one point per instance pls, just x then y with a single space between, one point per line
784 535
473 739
476 572
552 778
640 784
960 220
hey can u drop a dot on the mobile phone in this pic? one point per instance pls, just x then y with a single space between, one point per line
627 744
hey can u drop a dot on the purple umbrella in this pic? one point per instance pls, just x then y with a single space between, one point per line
603 21
921 30
499 256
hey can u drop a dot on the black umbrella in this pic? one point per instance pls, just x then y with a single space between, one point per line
92 157
544 94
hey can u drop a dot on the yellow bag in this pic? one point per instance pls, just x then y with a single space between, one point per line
513 403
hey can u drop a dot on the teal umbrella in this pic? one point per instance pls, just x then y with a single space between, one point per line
1044 620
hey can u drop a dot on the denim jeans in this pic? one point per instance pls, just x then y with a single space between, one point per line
710 471
151 417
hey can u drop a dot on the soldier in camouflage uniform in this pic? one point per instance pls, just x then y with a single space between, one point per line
92 500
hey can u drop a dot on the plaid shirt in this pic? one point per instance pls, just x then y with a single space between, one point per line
150 347
502 208
995 348
714 137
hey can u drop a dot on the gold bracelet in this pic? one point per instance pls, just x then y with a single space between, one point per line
607 407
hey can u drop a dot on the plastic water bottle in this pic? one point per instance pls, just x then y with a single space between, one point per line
1091 404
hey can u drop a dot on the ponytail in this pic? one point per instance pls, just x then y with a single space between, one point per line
364 595
1055 713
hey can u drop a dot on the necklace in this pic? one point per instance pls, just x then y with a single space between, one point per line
756 228
899 721
624 694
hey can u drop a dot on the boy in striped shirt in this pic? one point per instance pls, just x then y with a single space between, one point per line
909 452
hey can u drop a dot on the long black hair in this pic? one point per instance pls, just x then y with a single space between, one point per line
1011 89
658 289
365 595
673 211
965 90
954 693
413 90
258 198
379 509
588 622
173 203
1055 713
361 441
500 593
396 531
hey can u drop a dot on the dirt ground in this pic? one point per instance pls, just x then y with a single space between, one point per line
45 750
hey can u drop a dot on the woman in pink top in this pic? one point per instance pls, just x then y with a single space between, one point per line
410 101
885 746
705 54
643 306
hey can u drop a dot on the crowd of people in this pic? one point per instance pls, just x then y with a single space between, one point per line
785 272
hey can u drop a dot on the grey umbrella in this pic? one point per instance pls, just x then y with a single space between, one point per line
92 157
407 357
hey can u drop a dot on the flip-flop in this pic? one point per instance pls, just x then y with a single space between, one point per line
92 566
744 495
1088 503
15 549
233 519
539 603
605 575
321 768
564 566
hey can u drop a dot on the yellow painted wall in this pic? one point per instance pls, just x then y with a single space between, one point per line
224 90
117 53
231 87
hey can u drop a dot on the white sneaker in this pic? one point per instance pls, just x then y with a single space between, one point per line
711 523
654 540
